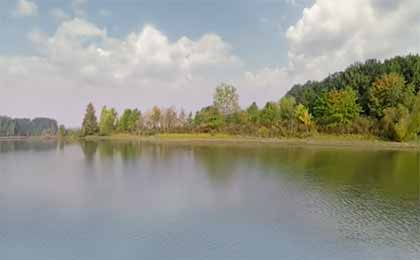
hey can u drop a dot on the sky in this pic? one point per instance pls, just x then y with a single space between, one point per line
58 55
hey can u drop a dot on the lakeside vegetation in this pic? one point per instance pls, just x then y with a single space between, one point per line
373 100
377 100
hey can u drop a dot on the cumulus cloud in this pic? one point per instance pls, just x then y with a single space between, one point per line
26 8
143 68
332 34
81 62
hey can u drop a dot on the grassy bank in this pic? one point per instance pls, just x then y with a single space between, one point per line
349 141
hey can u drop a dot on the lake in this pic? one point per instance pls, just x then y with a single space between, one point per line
134 200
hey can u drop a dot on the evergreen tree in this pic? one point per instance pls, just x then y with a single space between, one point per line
90 123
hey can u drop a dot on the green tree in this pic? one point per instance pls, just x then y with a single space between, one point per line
338 108
253 113
304 117
287 111
209 118
90 123
395 123
269 114
226 100
107 121
134 120
124 121
389 91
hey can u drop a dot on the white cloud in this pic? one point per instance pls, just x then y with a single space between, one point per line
143 69
26 8
58 14
80 62
333 34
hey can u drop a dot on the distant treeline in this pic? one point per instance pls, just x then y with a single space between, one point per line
27 127
372 99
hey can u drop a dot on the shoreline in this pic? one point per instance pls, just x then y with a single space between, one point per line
319 141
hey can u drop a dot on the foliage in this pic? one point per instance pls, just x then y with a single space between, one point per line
107 121
90 123
269 114
253 113
209 118
389 91
226 100
395 123
337 109
371 99
26 127
304 117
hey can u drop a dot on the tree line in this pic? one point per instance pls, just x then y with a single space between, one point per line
373 98
27 127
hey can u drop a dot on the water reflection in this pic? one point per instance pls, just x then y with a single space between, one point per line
196 201
16 146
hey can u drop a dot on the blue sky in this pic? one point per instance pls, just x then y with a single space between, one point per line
255 27
56 55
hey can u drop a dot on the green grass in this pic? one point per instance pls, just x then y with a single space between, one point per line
347 141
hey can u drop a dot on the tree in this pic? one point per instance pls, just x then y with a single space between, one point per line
226 100
61 131
287 110
133 121
253 113
90 123
155 117
209 118
304 117
389 91
107 121
124 122
169 119
338 108
269 114
395 123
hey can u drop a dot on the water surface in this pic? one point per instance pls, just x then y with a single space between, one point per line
132 200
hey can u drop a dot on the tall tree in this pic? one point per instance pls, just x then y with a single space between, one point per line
155 117
226 99
253 113
107 122
269 114
90 123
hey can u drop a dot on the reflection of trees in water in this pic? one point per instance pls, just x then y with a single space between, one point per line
15 146
106 150
220 162
395 174
89 150
129 151
371 194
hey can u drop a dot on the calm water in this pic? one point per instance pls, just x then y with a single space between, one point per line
103 201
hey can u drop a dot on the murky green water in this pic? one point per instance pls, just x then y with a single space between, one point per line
102 201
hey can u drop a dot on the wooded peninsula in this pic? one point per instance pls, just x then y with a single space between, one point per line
378 99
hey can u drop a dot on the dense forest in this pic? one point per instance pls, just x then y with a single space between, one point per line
27 127
371 99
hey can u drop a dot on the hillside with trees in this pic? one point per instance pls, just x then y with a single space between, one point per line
374 98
